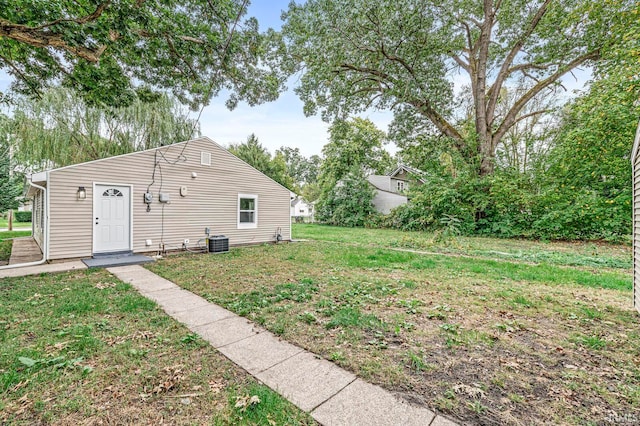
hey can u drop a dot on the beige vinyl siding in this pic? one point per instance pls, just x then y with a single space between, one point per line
38 218
212 199
636 232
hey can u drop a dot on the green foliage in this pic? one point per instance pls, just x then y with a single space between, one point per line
355 144
357 54
60 129
509 205
303 170
10 187
23 216
107 50
348 203
5 250
257 156
311 192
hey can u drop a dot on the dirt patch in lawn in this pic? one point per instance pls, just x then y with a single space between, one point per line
483 341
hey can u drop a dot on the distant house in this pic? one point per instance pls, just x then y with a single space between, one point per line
391 189
155 200
300 208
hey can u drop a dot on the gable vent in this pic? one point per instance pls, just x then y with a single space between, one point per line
205 158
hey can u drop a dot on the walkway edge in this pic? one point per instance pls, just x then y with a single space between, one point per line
332 395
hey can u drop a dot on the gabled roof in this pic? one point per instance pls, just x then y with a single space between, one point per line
299 200
42 176
378 181
418 173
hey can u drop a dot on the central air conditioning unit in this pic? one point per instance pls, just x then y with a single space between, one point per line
218 244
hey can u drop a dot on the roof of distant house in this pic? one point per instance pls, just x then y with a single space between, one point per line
407 169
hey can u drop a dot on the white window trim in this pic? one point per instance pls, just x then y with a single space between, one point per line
205 158
245 225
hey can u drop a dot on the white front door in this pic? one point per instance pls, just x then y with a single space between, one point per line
112 218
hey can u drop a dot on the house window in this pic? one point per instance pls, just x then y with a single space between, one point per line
112 192
205 158
247 211
400 186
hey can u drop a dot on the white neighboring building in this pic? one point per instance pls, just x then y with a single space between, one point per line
391 189
300 208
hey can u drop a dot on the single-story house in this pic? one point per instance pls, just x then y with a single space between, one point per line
155 200
391 189
300 208
635 164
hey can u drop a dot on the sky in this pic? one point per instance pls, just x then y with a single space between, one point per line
278 123
282 122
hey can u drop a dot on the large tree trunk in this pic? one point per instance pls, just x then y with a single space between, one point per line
487 156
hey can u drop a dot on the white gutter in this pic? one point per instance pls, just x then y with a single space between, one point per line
46 233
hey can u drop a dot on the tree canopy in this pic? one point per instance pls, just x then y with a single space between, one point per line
303 170
257 156
61 129
105 49
405 54
10 187
353 144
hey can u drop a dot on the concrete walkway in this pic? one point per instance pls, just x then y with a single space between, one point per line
44 268
24 250
330 394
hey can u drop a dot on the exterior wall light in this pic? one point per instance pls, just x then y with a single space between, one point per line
82 193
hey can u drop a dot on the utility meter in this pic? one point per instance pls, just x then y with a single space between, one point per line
148 197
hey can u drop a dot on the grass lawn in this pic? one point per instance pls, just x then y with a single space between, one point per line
557 253
486 339
85 348
6 243
4 223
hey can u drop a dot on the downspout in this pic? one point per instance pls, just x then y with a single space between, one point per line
45 234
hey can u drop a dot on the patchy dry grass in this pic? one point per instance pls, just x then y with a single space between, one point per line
486 341
85 348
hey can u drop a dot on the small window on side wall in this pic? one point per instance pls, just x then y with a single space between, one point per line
247 211
205 158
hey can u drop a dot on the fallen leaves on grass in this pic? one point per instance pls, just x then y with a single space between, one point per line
102 285
471 391
173 376
216 387
244 402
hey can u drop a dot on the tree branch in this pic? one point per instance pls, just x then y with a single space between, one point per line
510 118
91 17
465 66
21 75
423 106
531 114
46 38
506 65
